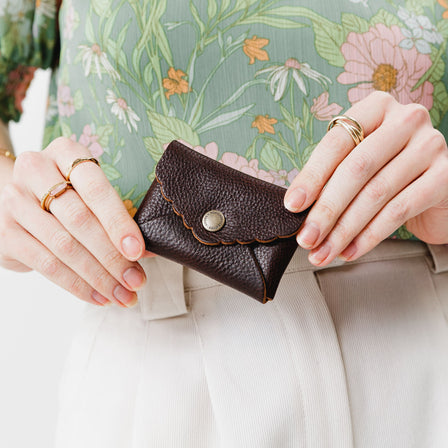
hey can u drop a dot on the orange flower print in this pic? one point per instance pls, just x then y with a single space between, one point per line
130 207
174 83
264 124
253 49
444 3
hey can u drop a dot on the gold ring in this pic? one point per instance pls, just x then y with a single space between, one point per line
54 192
78 162
352 126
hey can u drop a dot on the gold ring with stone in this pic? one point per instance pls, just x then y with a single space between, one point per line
54 192
352 126
78 162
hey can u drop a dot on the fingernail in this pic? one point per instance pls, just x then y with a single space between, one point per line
294 199
131 247
308 236
321 254
100 299
134 278
348 252
126 297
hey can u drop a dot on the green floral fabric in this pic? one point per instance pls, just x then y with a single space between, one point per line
251 83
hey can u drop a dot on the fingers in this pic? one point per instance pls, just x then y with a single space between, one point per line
66 247
353 188
97 193
71 231
81 226
39 258
412 201
381 189
354 172
332 150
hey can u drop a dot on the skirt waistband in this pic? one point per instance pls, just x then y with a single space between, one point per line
168 282
387 250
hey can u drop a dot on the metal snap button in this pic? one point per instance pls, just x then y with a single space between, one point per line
213 220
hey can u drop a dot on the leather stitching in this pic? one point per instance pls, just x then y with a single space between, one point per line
220 241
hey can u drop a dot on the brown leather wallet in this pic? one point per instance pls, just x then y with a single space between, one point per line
219 221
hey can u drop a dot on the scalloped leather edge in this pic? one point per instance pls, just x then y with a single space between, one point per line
220 241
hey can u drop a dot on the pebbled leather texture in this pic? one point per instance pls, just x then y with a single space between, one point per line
250 253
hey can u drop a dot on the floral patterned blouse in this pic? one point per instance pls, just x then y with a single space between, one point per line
251 83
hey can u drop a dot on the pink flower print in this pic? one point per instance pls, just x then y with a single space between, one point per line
283 178
90 141
209 150
70 18
66 106
375 61
249 167
322 110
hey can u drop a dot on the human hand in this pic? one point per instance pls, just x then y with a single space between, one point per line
88 244
397 175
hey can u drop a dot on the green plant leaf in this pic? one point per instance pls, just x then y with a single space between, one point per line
137 57
442 27
270 157
48 136
152 176
225 5
117 158
416 6
162 43
437 70
103 133
117 53
250 152
352 22
154 147
212 8
243 4
276 22
167 129
122 35
289 121
386 18
110 171
283 146
329 36
102 7
147 75
110 24
89 29
306 153
241 90
306 113
78 100
196 17
66 130
196 112
440 105
224 119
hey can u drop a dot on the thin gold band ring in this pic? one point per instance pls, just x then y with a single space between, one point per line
78 162
55 191
352 126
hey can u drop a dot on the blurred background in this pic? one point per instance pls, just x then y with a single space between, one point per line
37 321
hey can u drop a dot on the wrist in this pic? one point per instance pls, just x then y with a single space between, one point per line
7 153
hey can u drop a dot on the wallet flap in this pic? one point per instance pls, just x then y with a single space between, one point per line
253 209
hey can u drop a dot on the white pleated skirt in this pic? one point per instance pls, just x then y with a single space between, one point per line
355 354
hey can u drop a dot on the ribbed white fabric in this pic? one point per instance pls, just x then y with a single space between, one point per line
351 355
